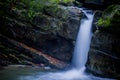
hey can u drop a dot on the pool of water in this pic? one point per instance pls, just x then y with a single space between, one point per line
40 74
17 73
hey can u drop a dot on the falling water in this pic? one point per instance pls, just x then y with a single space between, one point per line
79 57
83 40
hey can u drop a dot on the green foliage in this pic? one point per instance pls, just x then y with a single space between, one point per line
64 1
28 9
68 1
110 17
33 7
103 22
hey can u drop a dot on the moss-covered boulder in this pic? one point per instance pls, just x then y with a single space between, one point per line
110 17
50 28
104 57
62 20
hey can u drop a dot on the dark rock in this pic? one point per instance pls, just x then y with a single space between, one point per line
23 54
109 21
104 57
51 31
98 4
97 15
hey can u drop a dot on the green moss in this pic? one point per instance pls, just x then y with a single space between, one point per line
110 17
35 6
28 9
106 22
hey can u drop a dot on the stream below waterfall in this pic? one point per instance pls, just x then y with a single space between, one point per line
79 60
12 73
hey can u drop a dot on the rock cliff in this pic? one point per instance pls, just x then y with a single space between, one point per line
104 57
51 30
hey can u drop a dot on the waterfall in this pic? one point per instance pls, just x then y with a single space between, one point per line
83 40
79 58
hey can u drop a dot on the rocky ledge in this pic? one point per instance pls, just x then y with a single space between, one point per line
104 57
51 31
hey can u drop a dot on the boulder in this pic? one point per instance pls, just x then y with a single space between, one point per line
110 20
14 52
52 31
104 57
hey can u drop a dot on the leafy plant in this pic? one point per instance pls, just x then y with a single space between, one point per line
110 16
31 8
105 22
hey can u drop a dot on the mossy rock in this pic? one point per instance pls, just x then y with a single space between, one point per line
110 17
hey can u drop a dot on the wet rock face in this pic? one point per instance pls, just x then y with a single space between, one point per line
54 45
104 57
64 21
103 65
14 52
51 32
110 20
98 4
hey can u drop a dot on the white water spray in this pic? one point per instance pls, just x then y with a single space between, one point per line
83 41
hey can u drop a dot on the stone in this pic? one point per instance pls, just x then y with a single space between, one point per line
51 31
103 57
